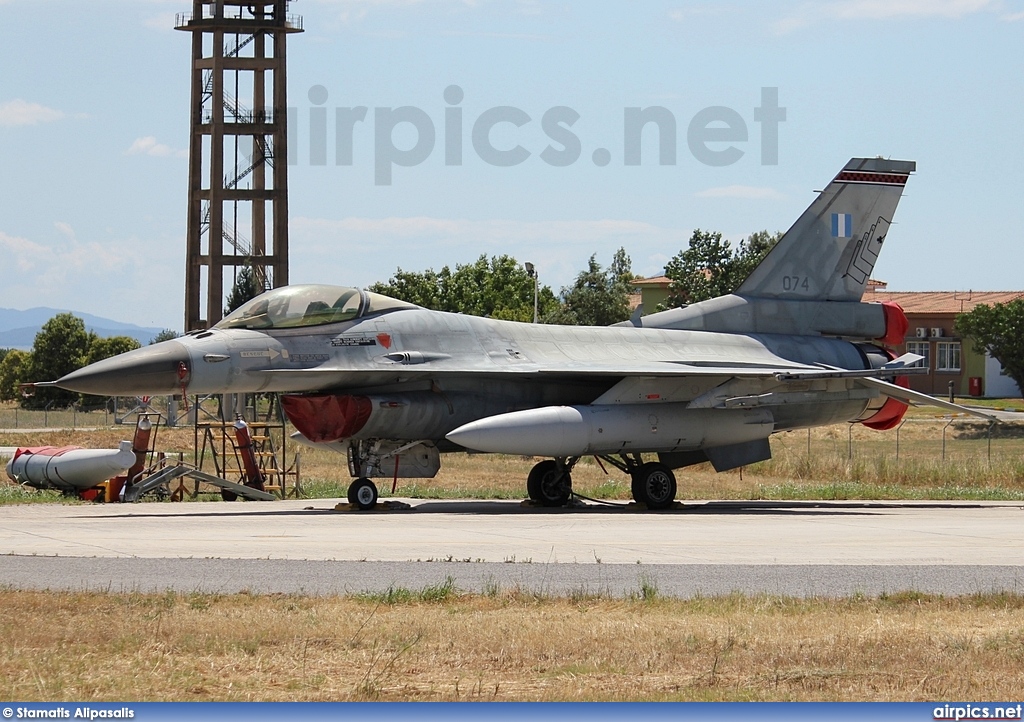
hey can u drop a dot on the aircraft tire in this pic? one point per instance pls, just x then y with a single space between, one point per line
548 485
227 495
654 484
362 493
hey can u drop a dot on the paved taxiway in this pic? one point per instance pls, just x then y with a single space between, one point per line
799 548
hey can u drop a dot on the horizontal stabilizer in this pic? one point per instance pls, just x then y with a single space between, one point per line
916 397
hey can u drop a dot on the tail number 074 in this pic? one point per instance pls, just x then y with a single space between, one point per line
795 283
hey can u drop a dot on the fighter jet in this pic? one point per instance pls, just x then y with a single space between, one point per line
392 385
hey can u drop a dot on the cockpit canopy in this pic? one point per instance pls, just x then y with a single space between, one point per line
308 305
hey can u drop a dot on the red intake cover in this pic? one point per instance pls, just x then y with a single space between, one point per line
327 417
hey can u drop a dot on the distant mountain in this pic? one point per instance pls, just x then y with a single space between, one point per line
18 329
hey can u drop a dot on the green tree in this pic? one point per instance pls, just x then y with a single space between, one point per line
751 252
165 335
59 348
499 287
711 267
427 289
247 287
13 370
101 348
999 329
598 297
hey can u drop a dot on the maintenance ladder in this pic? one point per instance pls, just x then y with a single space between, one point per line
219 445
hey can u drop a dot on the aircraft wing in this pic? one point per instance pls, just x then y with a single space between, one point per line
672 369
653 376
331 374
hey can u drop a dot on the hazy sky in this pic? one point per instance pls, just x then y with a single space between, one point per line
94 131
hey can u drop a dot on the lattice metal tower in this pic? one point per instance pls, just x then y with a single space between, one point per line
238 157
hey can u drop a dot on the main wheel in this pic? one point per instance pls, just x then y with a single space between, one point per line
362 493
548 484
654 484
227 495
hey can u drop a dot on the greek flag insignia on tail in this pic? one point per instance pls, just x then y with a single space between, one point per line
841 225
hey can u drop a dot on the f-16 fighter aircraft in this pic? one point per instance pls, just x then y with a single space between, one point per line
392 385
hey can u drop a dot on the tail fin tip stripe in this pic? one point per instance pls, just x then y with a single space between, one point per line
897 179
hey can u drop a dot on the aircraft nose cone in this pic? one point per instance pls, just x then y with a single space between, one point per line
158 369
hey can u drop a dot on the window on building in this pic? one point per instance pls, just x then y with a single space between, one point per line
947 356
921 348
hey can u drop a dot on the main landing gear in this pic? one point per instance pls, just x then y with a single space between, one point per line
550 482
653 483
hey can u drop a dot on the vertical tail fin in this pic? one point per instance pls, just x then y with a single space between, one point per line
831 250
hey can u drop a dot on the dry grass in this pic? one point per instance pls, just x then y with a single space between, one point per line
507 646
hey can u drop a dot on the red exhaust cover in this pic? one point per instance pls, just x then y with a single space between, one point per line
896 324
892 411
327 417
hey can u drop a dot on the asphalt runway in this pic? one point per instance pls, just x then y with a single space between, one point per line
704 548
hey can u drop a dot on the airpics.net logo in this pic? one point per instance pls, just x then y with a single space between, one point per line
715 136
975 712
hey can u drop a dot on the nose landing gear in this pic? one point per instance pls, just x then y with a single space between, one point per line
363 494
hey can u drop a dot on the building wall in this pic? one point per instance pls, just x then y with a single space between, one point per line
974 363
998 385
974 367
652 297
936 381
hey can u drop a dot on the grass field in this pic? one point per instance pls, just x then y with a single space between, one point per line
438 644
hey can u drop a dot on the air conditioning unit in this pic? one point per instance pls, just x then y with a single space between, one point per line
922 332
936 333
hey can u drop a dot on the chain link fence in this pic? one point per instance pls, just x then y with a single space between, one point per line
917 443
917 439
116 411
948 452
120 410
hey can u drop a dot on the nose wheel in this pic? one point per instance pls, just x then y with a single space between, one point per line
363 494
549 483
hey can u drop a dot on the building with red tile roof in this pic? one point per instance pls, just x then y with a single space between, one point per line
933 334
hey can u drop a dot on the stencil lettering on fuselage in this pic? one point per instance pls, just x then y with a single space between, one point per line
359 339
